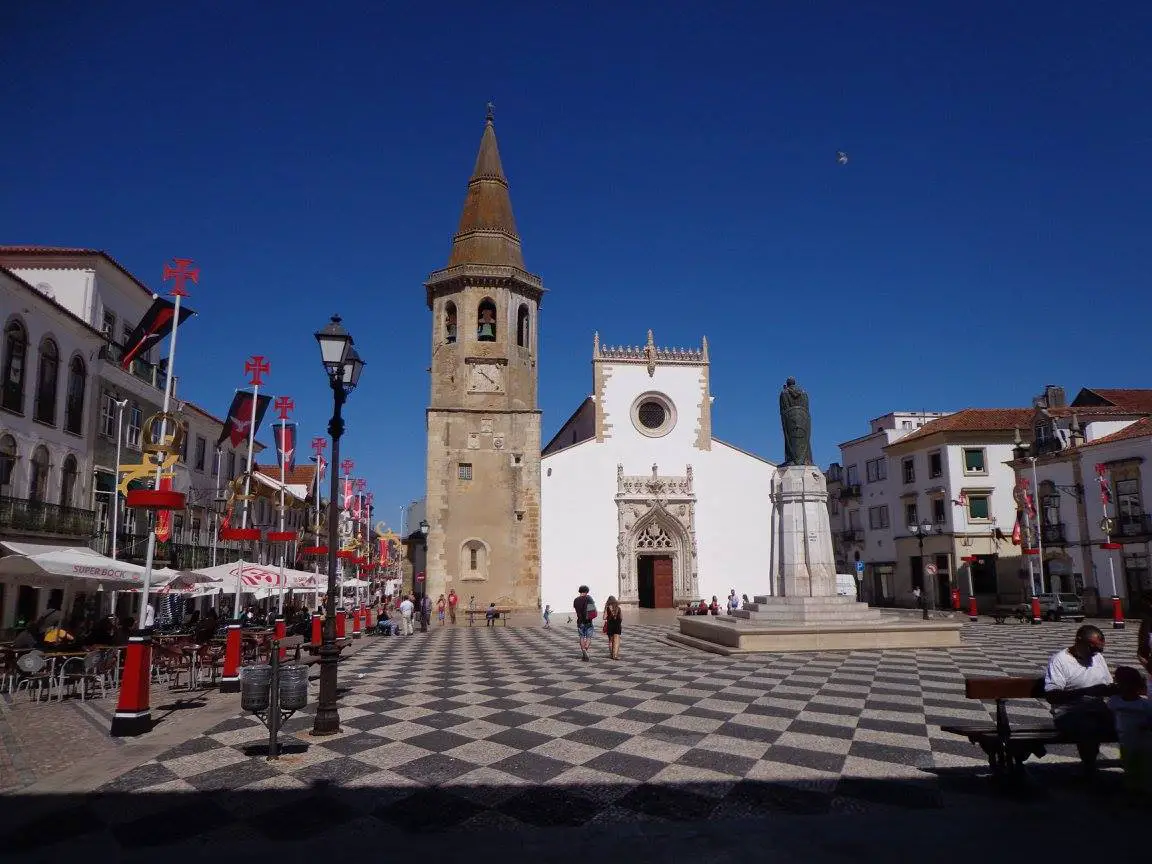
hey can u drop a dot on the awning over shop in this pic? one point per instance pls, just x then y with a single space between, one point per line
42 566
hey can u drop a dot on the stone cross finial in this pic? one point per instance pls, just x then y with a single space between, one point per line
650 355
491 115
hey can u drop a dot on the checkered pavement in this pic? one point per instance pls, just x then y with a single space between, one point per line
505 727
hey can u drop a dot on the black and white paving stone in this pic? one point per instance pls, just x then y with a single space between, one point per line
506 727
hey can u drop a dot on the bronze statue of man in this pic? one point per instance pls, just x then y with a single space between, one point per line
797 423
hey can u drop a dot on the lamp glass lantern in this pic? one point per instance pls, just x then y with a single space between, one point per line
926 527
424 527
335 343
353 366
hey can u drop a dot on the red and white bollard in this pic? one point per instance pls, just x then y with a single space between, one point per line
317 630
230 680
133 715
281 630
1036 614
1117 614
341 623
955 599
370 624
356 634
973 610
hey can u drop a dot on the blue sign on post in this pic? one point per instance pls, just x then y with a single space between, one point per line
859 566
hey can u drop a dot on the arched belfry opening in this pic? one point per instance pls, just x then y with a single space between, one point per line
449 322
486 321
523 334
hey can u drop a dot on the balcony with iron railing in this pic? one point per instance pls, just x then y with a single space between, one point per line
22 516
153 374
1134 524
1053 534
852 535
851 490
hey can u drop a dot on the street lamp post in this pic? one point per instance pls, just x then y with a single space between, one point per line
343 366
921 531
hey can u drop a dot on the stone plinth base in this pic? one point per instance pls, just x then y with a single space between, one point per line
744 636
808 610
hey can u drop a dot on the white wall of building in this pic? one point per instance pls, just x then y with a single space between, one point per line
579 528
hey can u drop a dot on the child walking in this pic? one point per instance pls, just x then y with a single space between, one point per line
440 608
547 617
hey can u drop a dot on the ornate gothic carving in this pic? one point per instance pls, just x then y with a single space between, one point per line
656 516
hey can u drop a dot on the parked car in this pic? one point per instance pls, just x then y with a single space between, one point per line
1056 607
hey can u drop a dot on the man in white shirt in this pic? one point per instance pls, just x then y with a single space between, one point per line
149 616
406 608
1076 684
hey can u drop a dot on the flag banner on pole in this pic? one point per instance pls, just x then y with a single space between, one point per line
1016 529
286 444
164 517
1105 489
154 326
240 416
347 493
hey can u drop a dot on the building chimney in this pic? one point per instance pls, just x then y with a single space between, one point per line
1054 396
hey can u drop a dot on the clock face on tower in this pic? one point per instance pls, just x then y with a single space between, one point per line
486 378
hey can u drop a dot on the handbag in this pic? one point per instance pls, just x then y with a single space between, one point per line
604 629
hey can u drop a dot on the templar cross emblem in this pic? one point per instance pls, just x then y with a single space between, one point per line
257 367
285 406
180 272
347 465
319 445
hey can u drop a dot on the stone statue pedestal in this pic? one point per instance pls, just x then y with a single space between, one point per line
805 613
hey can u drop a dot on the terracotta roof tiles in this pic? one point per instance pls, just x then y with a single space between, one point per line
1140 429
1128 398
975 420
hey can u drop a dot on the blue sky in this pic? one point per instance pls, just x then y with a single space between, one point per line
672 166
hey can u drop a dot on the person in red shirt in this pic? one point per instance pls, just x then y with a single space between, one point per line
452 601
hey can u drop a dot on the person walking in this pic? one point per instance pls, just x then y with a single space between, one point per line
425 612
440 604
406 609
585 608
452 601
547 617
613 625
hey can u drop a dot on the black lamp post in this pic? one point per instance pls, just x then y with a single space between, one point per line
926 594
343 366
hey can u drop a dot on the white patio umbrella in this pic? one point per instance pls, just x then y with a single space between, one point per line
56 566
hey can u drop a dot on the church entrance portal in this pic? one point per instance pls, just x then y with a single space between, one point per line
654 581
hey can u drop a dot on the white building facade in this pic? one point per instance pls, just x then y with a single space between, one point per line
640 501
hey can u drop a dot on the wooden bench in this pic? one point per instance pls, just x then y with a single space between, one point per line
502 613
1006 746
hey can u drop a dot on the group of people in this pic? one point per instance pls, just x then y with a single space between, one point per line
586 613
732 604
1091 704
396 615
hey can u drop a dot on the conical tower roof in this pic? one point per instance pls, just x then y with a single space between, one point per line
487 231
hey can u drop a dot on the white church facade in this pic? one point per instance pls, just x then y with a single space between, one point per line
640 501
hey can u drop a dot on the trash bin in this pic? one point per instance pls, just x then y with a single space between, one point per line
293 687
255 683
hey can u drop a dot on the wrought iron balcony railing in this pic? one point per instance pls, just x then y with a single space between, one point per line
1053 533
40 517
1134 524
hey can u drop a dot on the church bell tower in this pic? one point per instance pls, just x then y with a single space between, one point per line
483 459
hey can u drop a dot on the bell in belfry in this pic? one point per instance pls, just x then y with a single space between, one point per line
486 330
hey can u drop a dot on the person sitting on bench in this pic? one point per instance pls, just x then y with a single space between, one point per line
1076 685
491 614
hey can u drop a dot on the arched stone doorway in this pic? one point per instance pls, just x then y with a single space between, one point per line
656 548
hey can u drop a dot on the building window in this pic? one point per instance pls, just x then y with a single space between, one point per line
68 481
522 326
201 449
473 558
905 424
908 466
38 479
196 530
47 374
979 508
974 461
853 475
911 514
449 322
135 421
107 414
15 361
834 506
935 465
653 415
1129 507
231 464
854 519
7 464
108 328
1049 504
74 407
876 469
878 517
464 471
1043 433
939 514
486 321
